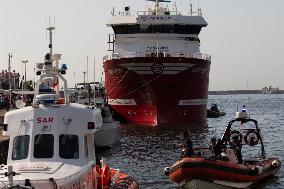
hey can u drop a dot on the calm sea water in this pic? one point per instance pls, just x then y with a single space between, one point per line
144 152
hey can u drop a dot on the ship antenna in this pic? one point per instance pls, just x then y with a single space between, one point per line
198 4
175 8
50 28
190 8
199 10
157 5
94 81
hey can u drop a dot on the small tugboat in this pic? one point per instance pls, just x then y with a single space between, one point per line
223 163
51 143
214 112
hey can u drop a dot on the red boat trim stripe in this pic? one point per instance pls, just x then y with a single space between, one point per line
209 165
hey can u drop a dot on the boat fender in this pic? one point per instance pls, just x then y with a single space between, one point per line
96 175
257 170
105 177
275 164
254 170
260 169
167 171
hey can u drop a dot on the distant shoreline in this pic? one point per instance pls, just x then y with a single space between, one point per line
230 92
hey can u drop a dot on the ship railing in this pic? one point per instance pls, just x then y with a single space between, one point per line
167 13
203 56
159 13
196 55
144 13
153 13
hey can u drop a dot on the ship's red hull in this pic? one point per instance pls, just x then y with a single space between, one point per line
164 90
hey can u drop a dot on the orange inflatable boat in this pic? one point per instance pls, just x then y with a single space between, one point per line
114 179
211 169
227 164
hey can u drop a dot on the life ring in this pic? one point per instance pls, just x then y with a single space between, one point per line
235 136
105 177
251 137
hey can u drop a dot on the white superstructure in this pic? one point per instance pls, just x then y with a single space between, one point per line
157 31
51 142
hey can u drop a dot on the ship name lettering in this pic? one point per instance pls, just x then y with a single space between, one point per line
155 18
44 120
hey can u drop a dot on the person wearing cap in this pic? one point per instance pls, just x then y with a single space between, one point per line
187 145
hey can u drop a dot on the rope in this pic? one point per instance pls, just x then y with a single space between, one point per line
121 78
135 90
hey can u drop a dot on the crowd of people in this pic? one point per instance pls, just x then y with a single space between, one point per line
217 147
5 101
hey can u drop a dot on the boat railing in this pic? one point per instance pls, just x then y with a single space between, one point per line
196 55
169 13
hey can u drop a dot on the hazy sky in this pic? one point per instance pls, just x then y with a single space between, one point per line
244 37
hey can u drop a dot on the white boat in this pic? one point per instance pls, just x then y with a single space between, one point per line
51 143
110 131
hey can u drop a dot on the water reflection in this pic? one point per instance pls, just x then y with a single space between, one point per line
144 151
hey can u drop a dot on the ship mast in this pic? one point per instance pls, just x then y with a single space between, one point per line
50 41
156 6
50 74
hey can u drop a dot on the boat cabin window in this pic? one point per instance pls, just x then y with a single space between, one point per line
86 146
20 147
69 146
163 28
43 146
46 90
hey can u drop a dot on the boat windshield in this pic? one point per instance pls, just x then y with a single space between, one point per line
68 146
20 147
43 146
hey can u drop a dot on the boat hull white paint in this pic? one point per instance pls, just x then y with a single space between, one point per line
202 184
108 134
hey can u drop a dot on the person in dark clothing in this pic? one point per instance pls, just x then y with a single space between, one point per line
213 145
237 146
214 108
220 147
187 145
217 147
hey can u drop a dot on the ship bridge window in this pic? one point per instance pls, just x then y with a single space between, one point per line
162 28
69 146
20 147
43 146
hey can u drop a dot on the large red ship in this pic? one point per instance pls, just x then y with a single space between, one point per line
156 73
